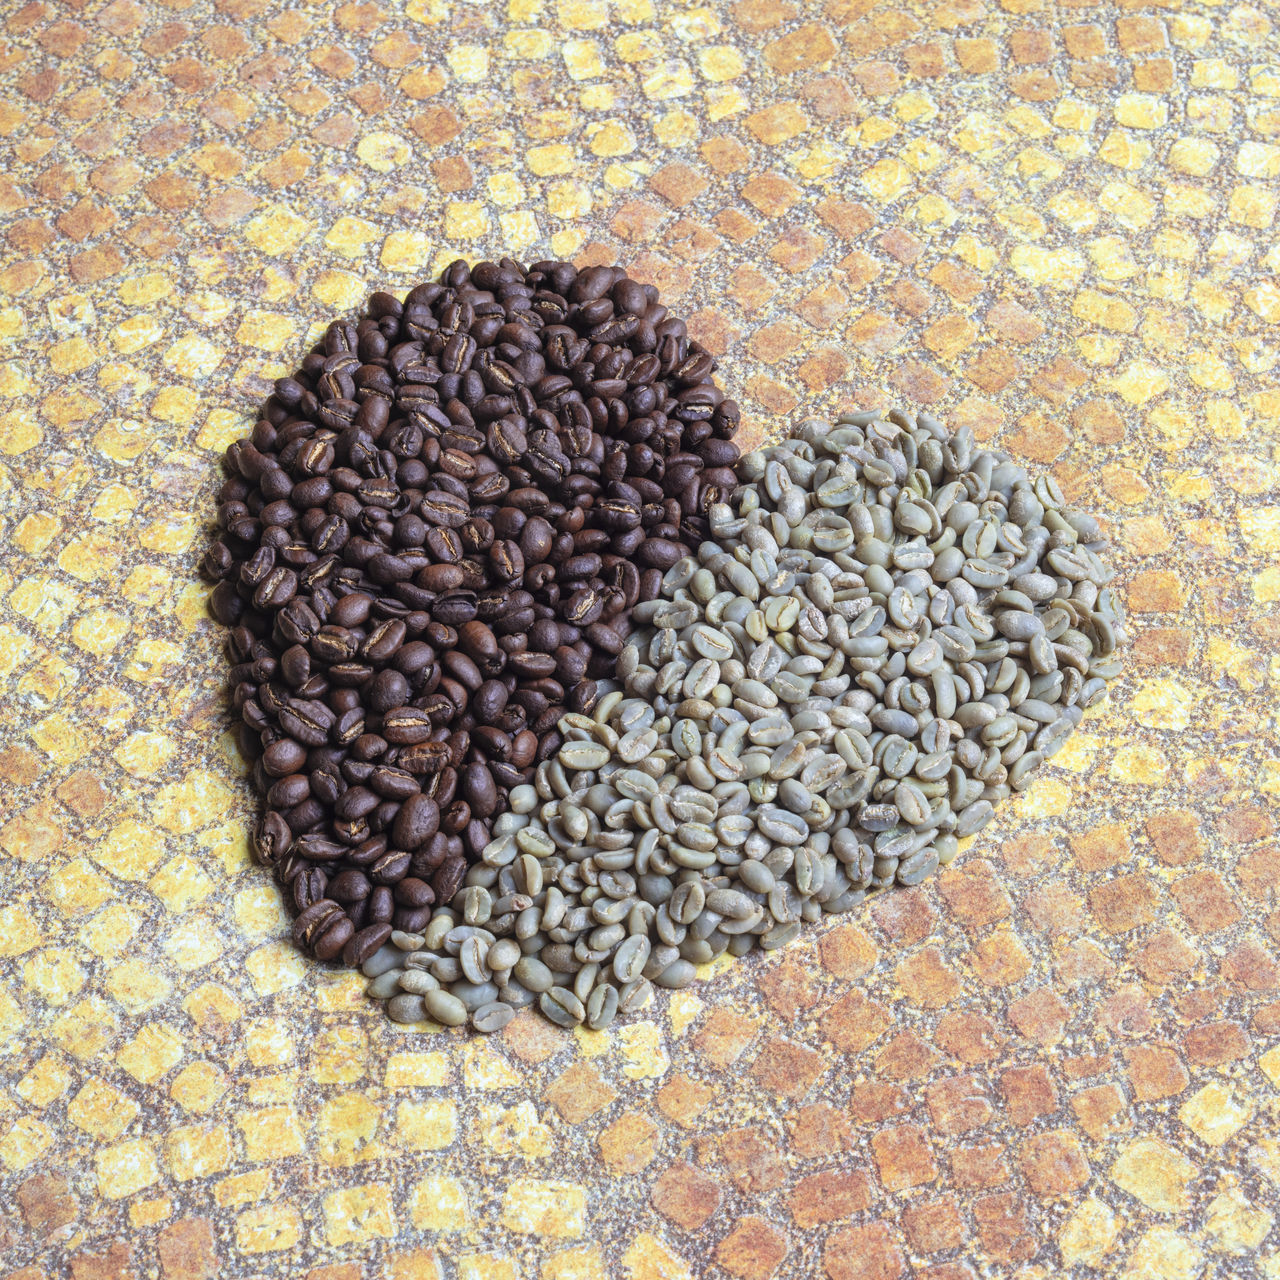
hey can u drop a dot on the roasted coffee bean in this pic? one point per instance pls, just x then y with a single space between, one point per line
430 546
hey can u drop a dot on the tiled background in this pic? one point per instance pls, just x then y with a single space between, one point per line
1062 1056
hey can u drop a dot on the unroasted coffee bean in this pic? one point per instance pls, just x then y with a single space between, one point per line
822 703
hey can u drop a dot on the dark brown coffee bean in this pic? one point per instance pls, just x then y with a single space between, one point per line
356 802
283 757
448 878
406 725
424 758
412 892
332 936
659 553
318 848
273 838
392 783
308 887
479 790
585 606
313 918
417 821
390 868
364 943
380 905
429 546
289 791
349 886
456 609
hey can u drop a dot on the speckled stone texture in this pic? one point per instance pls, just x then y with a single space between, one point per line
1061 1056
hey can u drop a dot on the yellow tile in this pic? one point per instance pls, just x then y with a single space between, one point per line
1158 1174
126 1168
356 1215
439 1204
556 1210
271 1133
102 1110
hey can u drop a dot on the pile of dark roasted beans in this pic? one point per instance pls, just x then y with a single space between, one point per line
551 699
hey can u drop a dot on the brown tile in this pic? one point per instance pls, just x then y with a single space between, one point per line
683 1100
818 1129
770 193
1141 34
773 343
1040 1016
678 183
867 1252
1012 322
753 1250
926 980
725 154
1028 1093
1251 965
1165 956
114 1262
797 249
977 56
969 1037
979 1165
903 1157
1205 902
787 1069
1003 1227
1058 380
974 894
1176 836
829 97
1102 1111
723 1036
935 1226
751 1156
910 297
1084 40
579 1092
1123 903
337 1271
46 1204
826 367
629 1144
1031 45
853 1022
959 1104
686 1195
189 1251
829 1196
788 987
1155 1071
807 48
848 219
1244 824
759 15
1054 1164
906 1056
1215 1044
823 305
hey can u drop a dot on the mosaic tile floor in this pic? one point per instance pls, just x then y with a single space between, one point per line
1062 1056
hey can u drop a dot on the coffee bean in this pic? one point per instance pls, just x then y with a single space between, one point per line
430 544
774 680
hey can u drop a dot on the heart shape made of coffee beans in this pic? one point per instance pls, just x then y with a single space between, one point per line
554 699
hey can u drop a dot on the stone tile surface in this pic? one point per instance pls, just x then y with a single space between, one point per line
1056 224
